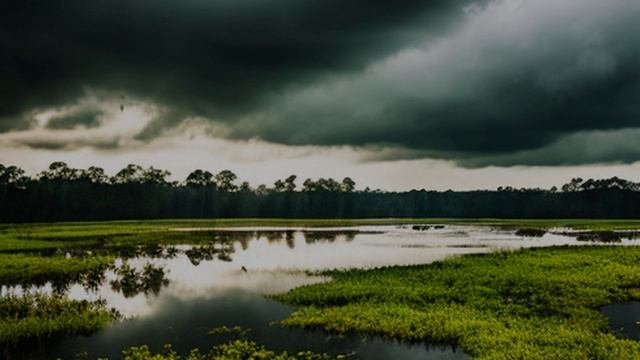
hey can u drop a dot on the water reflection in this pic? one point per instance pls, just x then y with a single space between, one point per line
234 255
197 254
186 323
311 237
131 282
150 251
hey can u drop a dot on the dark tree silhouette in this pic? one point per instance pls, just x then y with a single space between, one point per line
64 193
225 181
199 178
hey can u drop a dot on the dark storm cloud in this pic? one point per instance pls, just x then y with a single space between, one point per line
207 58
507 81
499 82
84 118
12 122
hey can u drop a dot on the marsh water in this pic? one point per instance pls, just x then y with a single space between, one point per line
176 294
624 319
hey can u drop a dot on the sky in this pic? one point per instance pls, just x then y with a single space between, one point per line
431 94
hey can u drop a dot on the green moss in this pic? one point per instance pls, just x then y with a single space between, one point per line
528 304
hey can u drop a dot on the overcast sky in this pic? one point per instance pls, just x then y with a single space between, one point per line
420 94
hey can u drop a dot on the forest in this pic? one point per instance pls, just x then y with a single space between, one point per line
62 193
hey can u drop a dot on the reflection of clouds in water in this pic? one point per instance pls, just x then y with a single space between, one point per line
185 322
275 260
186 281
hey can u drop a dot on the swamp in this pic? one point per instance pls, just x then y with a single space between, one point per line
367 289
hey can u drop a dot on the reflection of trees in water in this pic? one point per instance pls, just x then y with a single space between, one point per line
290 239
131 282
197 254
277 236
311 237
90 279
288 236
271 236
151 251
151 279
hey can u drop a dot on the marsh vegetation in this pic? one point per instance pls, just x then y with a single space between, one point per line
100 288
533 304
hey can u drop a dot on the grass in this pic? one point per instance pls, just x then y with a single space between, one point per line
16 269
32 317
29 317
528 304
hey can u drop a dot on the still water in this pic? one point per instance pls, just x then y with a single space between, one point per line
175 294
624 319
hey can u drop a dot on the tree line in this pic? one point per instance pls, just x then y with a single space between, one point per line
62 193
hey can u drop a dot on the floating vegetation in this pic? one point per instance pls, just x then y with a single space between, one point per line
31 317
531 232
233 350
600 236
233 330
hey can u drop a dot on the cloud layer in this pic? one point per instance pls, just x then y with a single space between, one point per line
509 82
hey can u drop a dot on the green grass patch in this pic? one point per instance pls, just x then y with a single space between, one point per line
27 269
33 317
527 304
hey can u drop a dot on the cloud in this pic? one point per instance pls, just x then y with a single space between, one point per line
215 58
90 122
481 83
584 147
86 118
515 76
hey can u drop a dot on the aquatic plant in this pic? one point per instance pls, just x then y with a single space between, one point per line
527 304
29 317
600 236
233 350
233 330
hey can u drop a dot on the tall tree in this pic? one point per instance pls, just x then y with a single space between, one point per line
199 178
12 175
225 181
290 183
131 174
348 185
94 175
59 170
